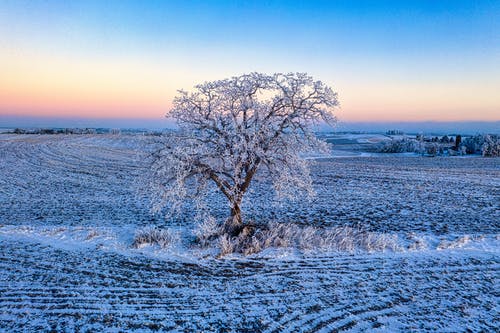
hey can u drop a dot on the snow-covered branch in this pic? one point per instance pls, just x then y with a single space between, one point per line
229 128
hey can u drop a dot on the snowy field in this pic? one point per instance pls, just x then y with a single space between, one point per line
69 208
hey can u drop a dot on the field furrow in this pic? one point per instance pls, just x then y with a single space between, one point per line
69 206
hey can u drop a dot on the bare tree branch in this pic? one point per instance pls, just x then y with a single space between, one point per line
229 128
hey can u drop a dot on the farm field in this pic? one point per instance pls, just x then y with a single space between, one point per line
70 205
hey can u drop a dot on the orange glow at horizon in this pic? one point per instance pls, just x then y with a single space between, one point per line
97 89
410 101
42 85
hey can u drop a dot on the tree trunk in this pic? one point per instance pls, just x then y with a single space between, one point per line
234 223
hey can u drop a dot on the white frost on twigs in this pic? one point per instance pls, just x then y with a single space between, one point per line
232 128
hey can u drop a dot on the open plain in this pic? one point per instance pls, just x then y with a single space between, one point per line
70 204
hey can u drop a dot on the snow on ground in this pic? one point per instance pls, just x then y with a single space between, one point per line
69 209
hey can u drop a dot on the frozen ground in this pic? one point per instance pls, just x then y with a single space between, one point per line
69 208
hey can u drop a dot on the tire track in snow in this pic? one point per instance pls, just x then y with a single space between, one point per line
63 178
96 289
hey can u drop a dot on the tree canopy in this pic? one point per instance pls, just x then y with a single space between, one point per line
231 129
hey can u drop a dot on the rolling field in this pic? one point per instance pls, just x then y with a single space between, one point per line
69 207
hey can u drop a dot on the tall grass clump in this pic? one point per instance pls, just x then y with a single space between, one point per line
307 239
207 230
151 236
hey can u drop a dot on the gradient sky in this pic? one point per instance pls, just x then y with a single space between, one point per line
388 60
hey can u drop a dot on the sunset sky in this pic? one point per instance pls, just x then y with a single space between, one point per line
388 60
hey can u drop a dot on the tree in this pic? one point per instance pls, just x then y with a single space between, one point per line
458 140
229 130
432 149
491 146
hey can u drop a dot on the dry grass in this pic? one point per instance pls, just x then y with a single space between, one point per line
458 242
207 230
150 236
306 239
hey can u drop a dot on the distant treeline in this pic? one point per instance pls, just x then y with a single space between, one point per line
81 131
60 131
484 144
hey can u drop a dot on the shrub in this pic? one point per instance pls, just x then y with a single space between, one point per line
445 139
487 145
207 230
309 239
226 245
164 238
19 131
473 144
457 243
432 149
398 146
491 146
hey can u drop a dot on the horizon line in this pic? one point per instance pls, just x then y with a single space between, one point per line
468 127
363 121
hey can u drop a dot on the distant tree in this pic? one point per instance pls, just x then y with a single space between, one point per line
491 146
398 146
432 149
47 131
473 144
445 139
458 141
420 147
233 128
462 150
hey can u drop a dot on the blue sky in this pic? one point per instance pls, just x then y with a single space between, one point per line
388 60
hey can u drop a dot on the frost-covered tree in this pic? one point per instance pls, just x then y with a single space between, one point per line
231 129
491 146
473 144
432 149
398 146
